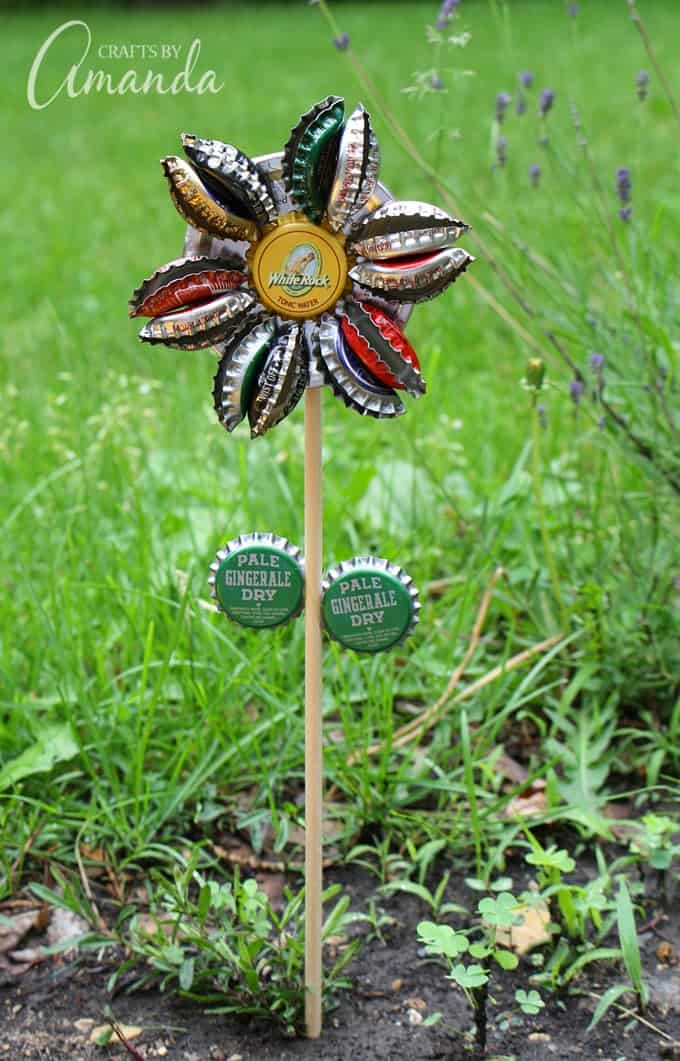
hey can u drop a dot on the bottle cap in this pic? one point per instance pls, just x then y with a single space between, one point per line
239 369
199 208
416 277
311 154
349 379
381 346
356 173
258 580
280 384
232 178
404 227
185 281
369 604
202 324
298 269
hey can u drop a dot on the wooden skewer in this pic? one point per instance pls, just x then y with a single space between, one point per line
313 718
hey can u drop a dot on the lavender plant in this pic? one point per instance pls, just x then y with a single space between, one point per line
598 303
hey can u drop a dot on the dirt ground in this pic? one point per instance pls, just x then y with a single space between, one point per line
49 1011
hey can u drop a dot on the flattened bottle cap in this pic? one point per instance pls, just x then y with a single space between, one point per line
258 580
356 173
348 377
369 604
311 154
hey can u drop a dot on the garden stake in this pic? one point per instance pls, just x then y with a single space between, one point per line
313 716
301 270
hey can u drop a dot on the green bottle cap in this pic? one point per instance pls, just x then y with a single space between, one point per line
258 580
369 604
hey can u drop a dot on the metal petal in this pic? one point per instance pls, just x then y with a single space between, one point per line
356 173
197 206
404 227
202 325
311 154
349 379
186 280
281 382
239 371
381 346
232 177
414 278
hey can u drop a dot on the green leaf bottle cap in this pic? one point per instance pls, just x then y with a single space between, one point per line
258 580
369 604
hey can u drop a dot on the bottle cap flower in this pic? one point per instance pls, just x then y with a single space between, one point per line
299 271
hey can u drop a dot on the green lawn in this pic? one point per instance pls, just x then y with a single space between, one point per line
119 485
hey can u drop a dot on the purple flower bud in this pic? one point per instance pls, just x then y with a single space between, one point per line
445 12
572 10
535 174
503 101
341 42
436 83
576 389
624 187
521 104
542 416
501 150
526 78
623 184
546 101
597 362
642 84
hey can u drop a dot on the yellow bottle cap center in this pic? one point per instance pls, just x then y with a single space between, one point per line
299 269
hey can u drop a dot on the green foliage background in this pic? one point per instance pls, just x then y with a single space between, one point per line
119 485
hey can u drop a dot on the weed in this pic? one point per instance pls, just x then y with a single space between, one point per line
530 1002
222 944
418 863
625 920
498 911
630 953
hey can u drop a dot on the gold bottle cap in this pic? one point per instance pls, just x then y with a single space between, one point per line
299 269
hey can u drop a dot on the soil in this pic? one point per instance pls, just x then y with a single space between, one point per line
380 1019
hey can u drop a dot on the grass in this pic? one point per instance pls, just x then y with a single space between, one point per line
119 486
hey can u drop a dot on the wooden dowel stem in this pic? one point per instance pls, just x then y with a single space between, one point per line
313 717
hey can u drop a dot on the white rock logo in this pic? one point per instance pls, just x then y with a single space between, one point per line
301 271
